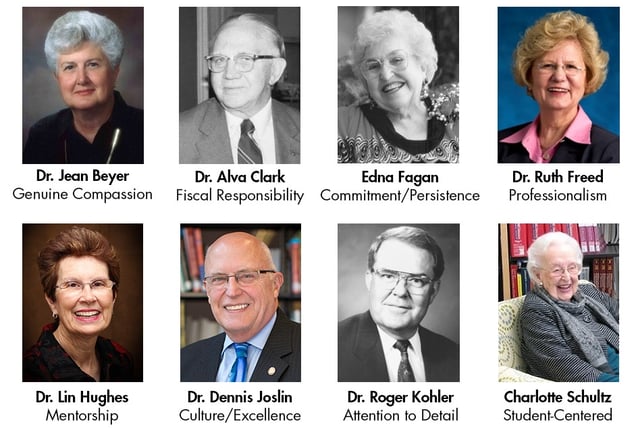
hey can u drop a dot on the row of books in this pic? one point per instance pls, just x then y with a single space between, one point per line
592 237
602 271
193 259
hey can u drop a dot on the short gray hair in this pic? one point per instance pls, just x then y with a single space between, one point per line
267 28
396 22
414 236
74 28
536 252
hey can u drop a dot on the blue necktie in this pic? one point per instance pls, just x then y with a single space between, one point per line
239 369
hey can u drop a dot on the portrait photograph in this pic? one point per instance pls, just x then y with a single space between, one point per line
559 87
558 302
398 84
82 302
398 302
83 85
239 85
240 302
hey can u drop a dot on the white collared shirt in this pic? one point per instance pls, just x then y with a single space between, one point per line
257 343
393 356
263 132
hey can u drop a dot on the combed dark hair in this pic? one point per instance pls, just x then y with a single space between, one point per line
414 236
74 28
76 242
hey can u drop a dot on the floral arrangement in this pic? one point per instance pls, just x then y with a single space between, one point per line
445 102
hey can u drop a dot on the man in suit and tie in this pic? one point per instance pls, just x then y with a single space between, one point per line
259 343
242 124
387 342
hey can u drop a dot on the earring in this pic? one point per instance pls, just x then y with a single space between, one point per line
54 316
424 92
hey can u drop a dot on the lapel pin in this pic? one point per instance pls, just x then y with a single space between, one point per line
271 371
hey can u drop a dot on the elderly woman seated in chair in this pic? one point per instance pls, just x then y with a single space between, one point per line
569 327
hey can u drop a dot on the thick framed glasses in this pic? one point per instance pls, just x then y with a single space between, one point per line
242 62
395 61
549 68
572 269
245 278
415 284
96 286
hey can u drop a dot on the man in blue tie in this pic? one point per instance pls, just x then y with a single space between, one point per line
259 343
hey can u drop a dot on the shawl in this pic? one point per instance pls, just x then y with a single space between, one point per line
567 311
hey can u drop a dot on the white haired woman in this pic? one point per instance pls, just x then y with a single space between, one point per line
84 51
569 328
395 59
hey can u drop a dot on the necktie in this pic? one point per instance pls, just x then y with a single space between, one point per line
239 369
248 151
405 372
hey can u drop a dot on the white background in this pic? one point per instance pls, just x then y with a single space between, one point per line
319 397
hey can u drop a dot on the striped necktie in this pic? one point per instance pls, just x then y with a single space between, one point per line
248 151
239 369
405 372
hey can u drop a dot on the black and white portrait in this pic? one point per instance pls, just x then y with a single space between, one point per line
398 303
398 84
239 85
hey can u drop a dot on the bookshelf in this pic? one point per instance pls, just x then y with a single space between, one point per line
196 316
599 244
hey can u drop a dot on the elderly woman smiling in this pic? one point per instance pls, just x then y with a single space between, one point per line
559 60
569 327
395 59
84 51
79 271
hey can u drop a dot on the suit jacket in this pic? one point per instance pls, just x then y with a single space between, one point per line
200 361
203 136
361 359
604 148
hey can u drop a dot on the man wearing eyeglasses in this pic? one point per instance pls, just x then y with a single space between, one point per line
387 342
259 343
242 124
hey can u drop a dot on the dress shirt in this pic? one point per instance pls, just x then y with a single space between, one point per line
393 356
263 132
257 343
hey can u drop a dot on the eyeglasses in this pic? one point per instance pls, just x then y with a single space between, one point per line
396 61
558 271
415 284
242 62
549 68
96 286
246 277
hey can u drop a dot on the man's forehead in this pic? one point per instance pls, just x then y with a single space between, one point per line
243 36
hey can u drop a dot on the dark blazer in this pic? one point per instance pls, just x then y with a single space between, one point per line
200 361
203 136
604 148
361 359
